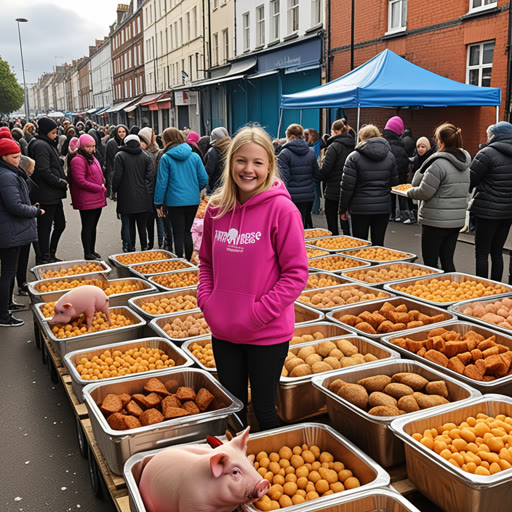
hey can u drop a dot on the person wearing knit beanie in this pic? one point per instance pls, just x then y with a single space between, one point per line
146 135
501 130
27 164
396 125
192 138
6 135
133 139
74 144
86 139
423 141
218 133
9 146
46 125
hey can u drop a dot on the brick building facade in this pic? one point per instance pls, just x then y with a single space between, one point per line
443 37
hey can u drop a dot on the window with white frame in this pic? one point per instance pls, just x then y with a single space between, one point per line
293 16
479 66
316 12
222 2
194 22
274 21
190 66
260 25
215 4
215 49
225 42
481 5
245 31
181 31
397 15
189 29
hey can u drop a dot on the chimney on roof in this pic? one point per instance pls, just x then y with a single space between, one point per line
121 9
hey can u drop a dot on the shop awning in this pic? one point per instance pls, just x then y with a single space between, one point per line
214 81
263 75
101 111
150 98
303 68
236 71
164 102
119 106
91 110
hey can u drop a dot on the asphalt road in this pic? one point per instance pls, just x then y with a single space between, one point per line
41 468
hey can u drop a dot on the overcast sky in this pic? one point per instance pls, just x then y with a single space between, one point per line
56 32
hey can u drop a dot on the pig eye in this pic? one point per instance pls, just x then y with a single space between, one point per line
236 472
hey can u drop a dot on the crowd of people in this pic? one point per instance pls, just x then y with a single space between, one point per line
253 263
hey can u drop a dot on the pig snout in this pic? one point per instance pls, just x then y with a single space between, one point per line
260 489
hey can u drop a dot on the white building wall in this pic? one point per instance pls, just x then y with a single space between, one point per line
75 91
149 17
60 93
101 76
307 16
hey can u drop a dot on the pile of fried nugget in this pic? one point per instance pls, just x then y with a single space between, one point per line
126 411
389 319
471 354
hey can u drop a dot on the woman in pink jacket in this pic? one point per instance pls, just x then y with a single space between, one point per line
88 192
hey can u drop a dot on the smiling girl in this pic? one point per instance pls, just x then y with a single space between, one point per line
253 266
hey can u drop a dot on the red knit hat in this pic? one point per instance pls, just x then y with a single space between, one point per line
6 134
8 147
4 129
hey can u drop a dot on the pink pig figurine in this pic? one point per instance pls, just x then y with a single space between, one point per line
83 299
199 478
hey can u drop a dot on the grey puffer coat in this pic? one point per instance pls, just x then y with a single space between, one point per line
442 184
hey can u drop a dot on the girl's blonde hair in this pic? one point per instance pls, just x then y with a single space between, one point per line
368 131
225 196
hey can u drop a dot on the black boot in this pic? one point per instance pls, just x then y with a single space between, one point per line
53 258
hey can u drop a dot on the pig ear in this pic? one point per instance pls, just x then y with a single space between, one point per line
217 463
67 306
241 440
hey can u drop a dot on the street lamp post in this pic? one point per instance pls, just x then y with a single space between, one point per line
23 20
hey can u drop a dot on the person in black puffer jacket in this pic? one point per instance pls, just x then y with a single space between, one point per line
339 146
491 175
214 158
50 178
113 145
134 183
369 173
392 131
299 170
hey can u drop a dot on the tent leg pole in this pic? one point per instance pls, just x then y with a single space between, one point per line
497 114
300 118
280 121
358 120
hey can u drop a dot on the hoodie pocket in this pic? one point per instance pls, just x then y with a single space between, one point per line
230 315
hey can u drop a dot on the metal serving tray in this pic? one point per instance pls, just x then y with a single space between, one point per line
153 279
327 329
363 288
377 304
370 432
335 277
325 232
96 339
409 255
444 484
163 255
457 308
358 263
297 399
371 476
36 295
306 315
358 243
119 445
187 348
322 252
456 277
137 302
349 273
157 324
39 271
502 385
72 359
135 269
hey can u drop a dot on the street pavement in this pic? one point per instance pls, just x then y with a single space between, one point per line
41 467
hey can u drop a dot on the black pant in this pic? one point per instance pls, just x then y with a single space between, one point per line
378 223
150 229
90 220
332 215
262 365
490 237
305 212
439 243
182 218
9 264
21 272
140 220
53 216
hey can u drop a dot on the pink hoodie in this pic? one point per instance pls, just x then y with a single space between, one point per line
253 266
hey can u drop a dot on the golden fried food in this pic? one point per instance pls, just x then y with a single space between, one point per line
190 326
408 404
391 272
355 394
339 296
150 417
320 280
316 233
313 253
177 279
446 290
111 403
384 410
497 312
334 262
132 258
377 398
375 383
133 408
403 187
339 242
171 401
158 267
166 305
191 407
203 399
175 412
99 323
117 363
203 353
379 254
335 385
85 268
185 393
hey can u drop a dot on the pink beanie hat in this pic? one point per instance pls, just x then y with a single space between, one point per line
395 124
74 144
193 137
86 139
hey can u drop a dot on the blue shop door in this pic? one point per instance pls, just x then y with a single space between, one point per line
264 103
237 106
297 82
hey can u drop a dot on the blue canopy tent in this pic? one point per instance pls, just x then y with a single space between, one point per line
388 80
